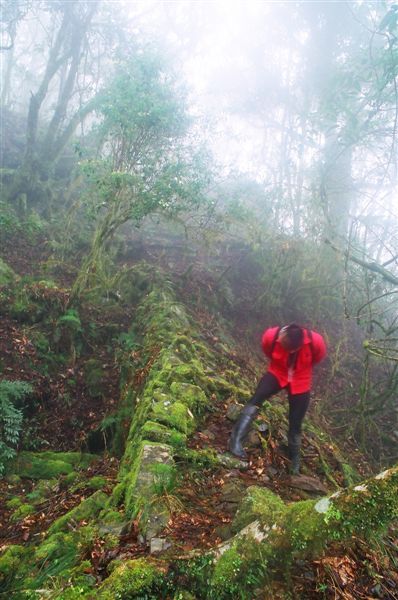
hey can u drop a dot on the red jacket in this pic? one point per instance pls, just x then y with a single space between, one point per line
300 377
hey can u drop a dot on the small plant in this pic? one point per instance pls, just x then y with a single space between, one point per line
68 331
70 320
12 394
164 478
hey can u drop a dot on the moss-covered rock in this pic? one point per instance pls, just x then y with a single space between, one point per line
47 465
132 579
157 432
191 395
87 510
174 414
97 482
259 503
152 475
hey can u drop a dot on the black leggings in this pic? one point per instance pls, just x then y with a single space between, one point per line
298 403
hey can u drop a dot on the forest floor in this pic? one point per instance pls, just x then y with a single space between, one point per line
204 504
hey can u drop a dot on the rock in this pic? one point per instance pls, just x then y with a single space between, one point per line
308 484
209 434
262 426
264 479
159 545
224 532
231 462
233 491
233 411
157 511
253 439
116 529
233 473
272 471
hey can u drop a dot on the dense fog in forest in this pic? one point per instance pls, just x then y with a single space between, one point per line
176 178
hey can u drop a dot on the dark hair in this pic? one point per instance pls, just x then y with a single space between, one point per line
295 335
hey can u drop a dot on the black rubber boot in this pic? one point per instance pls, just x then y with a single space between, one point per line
241 429
294 453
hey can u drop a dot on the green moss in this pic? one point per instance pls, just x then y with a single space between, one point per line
190 395
41 490
206 458
175 414
111 516
59 559
140 492
259 503
71 478
305 531
132 579
157 432
118 493
183 595
79 586
55 546
226 570
86 510
96 483
366 510
46 465
14 503
21 512
10 562
37 300
238 571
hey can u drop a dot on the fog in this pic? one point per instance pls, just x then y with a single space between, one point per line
299 96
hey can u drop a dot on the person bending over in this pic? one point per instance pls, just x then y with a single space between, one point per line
293 351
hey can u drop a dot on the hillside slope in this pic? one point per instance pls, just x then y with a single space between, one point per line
161 395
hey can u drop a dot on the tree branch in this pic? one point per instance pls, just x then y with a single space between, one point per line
370 266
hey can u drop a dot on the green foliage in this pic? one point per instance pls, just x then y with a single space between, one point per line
164 478
146 166
30 225
21 512
71 321
37 301
68 331
12 395
7 275
9 223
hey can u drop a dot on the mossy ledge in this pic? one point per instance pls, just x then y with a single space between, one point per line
182 381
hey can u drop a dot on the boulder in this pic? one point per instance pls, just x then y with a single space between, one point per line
308 484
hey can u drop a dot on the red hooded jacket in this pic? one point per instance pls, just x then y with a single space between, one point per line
312 351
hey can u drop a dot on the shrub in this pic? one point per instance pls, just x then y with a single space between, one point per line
12 394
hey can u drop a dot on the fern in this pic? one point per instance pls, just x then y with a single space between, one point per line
12 394
71 320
